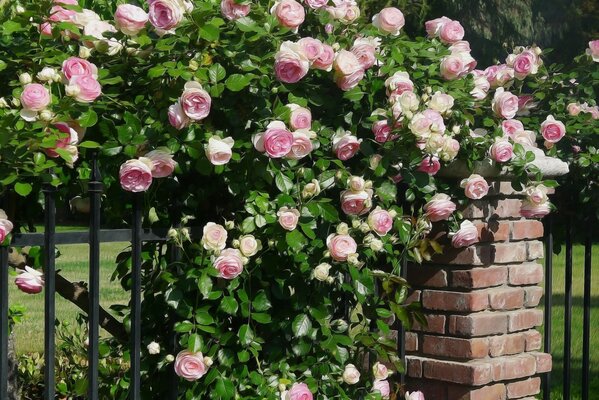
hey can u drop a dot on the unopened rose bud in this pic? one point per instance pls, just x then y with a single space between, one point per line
236 243
271 243
375 160
548 145
352 259
185 234
25 78
84 52
46 115
376 245
229 225
172 234
47 74
364 227
355 223
330 279
19 9
16 102
342 229
282 387
393 213
208 361
153 348
72 90
194 65
428 90
169 358
336 46
86 342
456 129
326 254
3 103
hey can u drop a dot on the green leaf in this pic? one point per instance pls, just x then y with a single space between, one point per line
88 144
296 240
387 192
88 118
156 71
205 285
301 325
262 318
283 182
229 305
23 189
225 389
195 343
261 302
209 33
184 326
246 335
216 73
237 82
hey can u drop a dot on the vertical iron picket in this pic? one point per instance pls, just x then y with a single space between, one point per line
95 194
402 330
175 252
49 291
136 246
568 313
4 322
586 330
548 301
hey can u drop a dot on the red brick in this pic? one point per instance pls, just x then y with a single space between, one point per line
528 387
513 367
506 208
426 276
414 366
534 339
411 341
532 296
473 255
455 301
475 373
493 231
506 344
491 392
430 388
525 274
414 297
435 324
504 253
505 298
535 250
544 361
455 347
476 278
480 324
476 209
527 229
503 188
524 319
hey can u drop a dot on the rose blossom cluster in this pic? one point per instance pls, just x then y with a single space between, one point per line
575 109
357 199
136 175
81 80
514 130
345 11
232 10
166 15
294 59
191 366
525 61
193 106
350 66
459 63
536 204
381 384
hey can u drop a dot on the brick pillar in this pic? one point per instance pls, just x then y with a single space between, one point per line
481 303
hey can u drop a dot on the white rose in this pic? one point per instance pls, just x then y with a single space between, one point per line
47 74
351 375
342 229
441 102
311 189
248 245
376 245
321 272
380 371
154 348
25 78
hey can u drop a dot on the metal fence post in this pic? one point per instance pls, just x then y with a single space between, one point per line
4 322
50 289
548 301
568 314
136 244
586 329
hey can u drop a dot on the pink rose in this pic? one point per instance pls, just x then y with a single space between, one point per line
430 165
135 176
524 64
451 32
301 146
60 14
382 386
195 101
475 187
414 396
574 109
288 218
433 27
380 371
511 126
356 202
312 48
593 50
453 67
219 151
389 20
276 141
130 19
177 117
88 88
232 10
163 164
525 104
341 246
348 82
505 104
399 83
552 130
35 97
380 221
75 66
345 145
465 236
365 53
165 15
481 85
499 75
214 237
346 63
70 137
426 123
501 151
290 13
326 58
190 366
291 64
533 210
461 46
300 117
229 264
439 208
30 281
381 130
5 226
299 391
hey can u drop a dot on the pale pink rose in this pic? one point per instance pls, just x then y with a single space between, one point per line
5 226
465 236
299 391
389 20
195 101
380 371
574 109
328 28
537 194
366 55
219 151
511 126
451 32
96 29
70 137
593 50
30 281
499 75
248 245
190 366
163 164
165 14
505 104
341 246
433 27
229 264
441 102
35 97
427 122
276 141
481 85
75 66
414 396
177 117
380 221
325 60
450 149
594 110
356 202
501 151
399 83
46 29
316 4
524 64
533 210
290 13
232 10
300 117
88 88
348 82
135 176
439 208
461 46
130 19
525 138
312 48
475 187
525 104
356 183
381 130
453 67
288 218
345 145
60 14
291 64
552 130
301 146
430 165
346 63
214 237
382 386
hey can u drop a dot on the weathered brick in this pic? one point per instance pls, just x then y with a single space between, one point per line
430 388
504 253
506 208
473 255
534 339
529 387
455 301
473 373
513 367
524 319
411 341
435 324
535 250
506 298
479 324
532 296
414 366
425 276
525 274
493 231
506 344
544 361
491 392
527 229
476 209
455 347
476 278
414 297
503 188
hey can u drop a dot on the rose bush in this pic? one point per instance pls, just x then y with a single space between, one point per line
304 140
